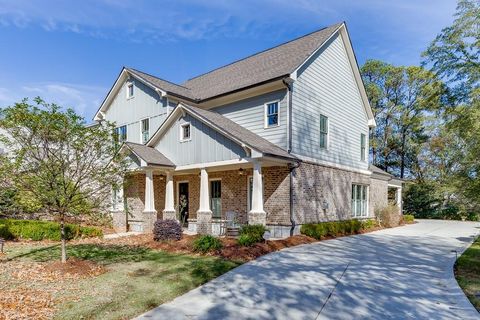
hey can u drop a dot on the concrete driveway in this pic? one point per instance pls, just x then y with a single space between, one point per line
399 273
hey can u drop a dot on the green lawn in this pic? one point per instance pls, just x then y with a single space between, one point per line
137 279
468 273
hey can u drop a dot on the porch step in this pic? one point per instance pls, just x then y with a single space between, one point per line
232 232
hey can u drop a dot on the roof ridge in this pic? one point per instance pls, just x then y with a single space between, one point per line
151 75
263 51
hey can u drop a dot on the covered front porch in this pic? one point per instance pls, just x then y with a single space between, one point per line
204 199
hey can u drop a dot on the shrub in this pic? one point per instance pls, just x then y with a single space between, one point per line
408 218
248 240
207 243
250 234
4 233
336 228
46 230
369 224
167 230
389 216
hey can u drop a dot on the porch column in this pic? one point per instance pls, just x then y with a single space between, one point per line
257 215
149 213
204 214
169 211
399 199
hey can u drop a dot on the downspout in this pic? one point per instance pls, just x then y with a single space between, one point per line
289 84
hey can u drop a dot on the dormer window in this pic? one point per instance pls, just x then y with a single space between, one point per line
185 132
130 90
271 114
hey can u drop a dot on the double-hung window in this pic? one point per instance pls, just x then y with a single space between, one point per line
359 201
130 90
323 131
185 133
271 114
363 146
145 130
121 134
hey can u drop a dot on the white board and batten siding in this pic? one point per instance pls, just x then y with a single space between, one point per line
326 85
250 114
204 146
145 103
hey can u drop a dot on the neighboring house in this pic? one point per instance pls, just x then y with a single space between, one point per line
280 138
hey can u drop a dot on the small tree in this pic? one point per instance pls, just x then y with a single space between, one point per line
68 167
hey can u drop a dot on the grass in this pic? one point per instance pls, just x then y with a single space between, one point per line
468 273
137 279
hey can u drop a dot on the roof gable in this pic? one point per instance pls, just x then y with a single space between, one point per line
226 127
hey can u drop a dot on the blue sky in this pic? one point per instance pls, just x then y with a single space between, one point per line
70 52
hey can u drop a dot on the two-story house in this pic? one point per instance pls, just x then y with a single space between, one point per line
280 138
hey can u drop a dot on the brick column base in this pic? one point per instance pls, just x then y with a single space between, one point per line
149 218
204 222
169 215
257 218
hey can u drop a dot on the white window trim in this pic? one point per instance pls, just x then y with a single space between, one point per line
367 196
182 139
130 84
141 129
126 132
265 118
327 145
365 152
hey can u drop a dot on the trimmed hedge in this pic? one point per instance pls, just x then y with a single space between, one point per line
336 228
408 218
44 230
251 234
207 243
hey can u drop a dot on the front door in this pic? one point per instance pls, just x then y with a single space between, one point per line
183 202
216 198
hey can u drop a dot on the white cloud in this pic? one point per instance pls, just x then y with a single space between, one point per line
84 99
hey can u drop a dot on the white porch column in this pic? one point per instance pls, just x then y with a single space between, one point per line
149 213
399 199
257 215
204 214
169 211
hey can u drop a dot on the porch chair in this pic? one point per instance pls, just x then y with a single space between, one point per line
231 225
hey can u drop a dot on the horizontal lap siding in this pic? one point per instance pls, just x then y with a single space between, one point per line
326 85
250 114
145 104
206 144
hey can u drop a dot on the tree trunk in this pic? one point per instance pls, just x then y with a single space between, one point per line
402 159
64 240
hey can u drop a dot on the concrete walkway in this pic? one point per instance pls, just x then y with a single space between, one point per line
399 273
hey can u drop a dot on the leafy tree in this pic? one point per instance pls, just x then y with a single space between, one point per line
402 98
454 55
67 167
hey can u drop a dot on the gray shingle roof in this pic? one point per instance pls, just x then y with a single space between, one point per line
266 65
377 170
260 67
165 85
150 155
240 133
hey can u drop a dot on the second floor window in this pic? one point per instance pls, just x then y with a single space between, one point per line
363 146
185 132
130 90
121 134
323 131
145 130
271 114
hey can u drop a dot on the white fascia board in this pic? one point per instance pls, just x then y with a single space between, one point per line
124 75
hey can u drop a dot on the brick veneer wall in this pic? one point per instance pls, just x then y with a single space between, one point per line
314 183
378 195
